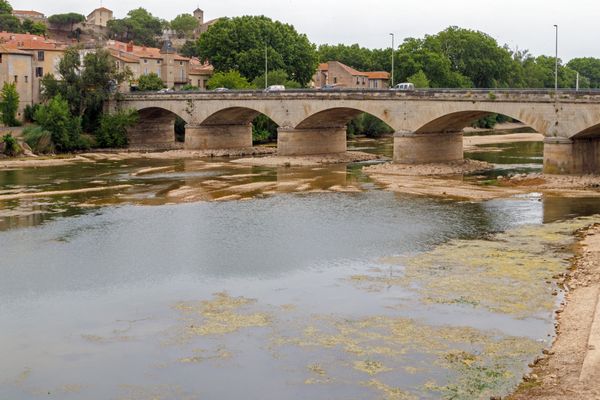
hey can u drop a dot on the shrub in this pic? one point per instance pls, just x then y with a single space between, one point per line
29 112
65 129
180 129
150 82
9 104
38 139
11 147
113 128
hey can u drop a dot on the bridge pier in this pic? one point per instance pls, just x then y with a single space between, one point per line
571 157
156 132
213 137
300 142
423 148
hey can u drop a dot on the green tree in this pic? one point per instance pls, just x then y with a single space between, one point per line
150 82
10 23
190 49
9 104
70 85
277 77
35 28
419 79
184 25
5 7
113 128
589 68
368 125
139 26
239 44
67 20
65 129
11 147
229 80
264 129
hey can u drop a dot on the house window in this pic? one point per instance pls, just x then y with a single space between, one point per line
41 56
335 79
145 61
180 62
26 78
39 72
158 61
16 79
357 80
0 58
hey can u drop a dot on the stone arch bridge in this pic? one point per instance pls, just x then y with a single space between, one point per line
428 123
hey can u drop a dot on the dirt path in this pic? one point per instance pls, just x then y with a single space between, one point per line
571 370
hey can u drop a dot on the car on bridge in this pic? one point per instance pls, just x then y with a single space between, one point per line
406 86
221 89
331 86
275 88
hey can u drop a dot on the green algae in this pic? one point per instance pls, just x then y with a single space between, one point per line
506 274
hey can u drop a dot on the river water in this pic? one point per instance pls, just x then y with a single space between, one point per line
309 283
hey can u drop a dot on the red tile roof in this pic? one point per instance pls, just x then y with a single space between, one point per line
10 50
28 41
378 75
28 12
141 51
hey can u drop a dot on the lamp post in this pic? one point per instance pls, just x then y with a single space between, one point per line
266 67
556 62
392 35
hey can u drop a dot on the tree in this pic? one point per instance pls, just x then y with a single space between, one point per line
184 25
419 79
35 28
190 49
113 128
66 20
369 125
150 82
9 23
229 80
589 68
64 128
240 43
9 104
5 7
69 86
139 26
277 77
11 146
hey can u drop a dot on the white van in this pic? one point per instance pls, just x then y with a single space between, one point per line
275 88
404 86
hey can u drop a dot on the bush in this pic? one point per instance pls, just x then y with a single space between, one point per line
113 128
264 130
65 129
11 147
368 125
150 82
9 104
180 129
29 112
38 139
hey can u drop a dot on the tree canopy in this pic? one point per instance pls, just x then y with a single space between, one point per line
139 26
240 43
587 67
184 25
229 80
5 7
66 20
150 82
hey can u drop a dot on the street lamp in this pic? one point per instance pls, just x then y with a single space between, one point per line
556 62
392 35
266 67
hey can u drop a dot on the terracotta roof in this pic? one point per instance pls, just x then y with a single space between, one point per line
351 70
126 57
9 50
141 51
27 12
324 67
28 41
378 75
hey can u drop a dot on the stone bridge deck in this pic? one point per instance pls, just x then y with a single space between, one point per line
428 123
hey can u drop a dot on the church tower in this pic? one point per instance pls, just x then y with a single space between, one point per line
199 15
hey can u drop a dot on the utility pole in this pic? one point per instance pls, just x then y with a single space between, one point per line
577 83
556 63
392 35
266 67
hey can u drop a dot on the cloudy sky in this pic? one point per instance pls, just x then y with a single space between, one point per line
526 24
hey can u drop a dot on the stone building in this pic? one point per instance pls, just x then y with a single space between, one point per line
343 76
44 56
200 73
34 16
171 67
203 26
99 17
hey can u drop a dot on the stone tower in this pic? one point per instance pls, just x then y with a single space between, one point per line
168 54
199 15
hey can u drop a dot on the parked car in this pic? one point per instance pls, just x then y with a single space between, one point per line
331 87
275 88
221 89
404 86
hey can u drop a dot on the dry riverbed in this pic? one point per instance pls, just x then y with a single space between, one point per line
571 369
304 161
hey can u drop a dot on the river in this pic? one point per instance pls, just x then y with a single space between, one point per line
290 290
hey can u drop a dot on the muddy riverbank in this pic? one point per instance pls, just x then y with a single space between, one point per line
571 369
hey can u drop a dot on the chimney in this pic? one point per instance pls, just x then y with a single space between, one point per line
130 47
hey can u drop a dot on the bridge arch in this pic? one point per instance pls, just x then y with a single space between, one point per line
336 117
155 128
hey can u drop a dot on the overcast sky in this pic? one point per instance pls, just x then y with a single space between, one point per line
527 24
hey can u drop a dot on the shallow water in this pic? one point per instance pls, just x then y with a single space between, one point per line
293 290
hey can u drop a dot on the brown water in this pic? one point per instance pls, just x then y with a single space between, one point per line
306 283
